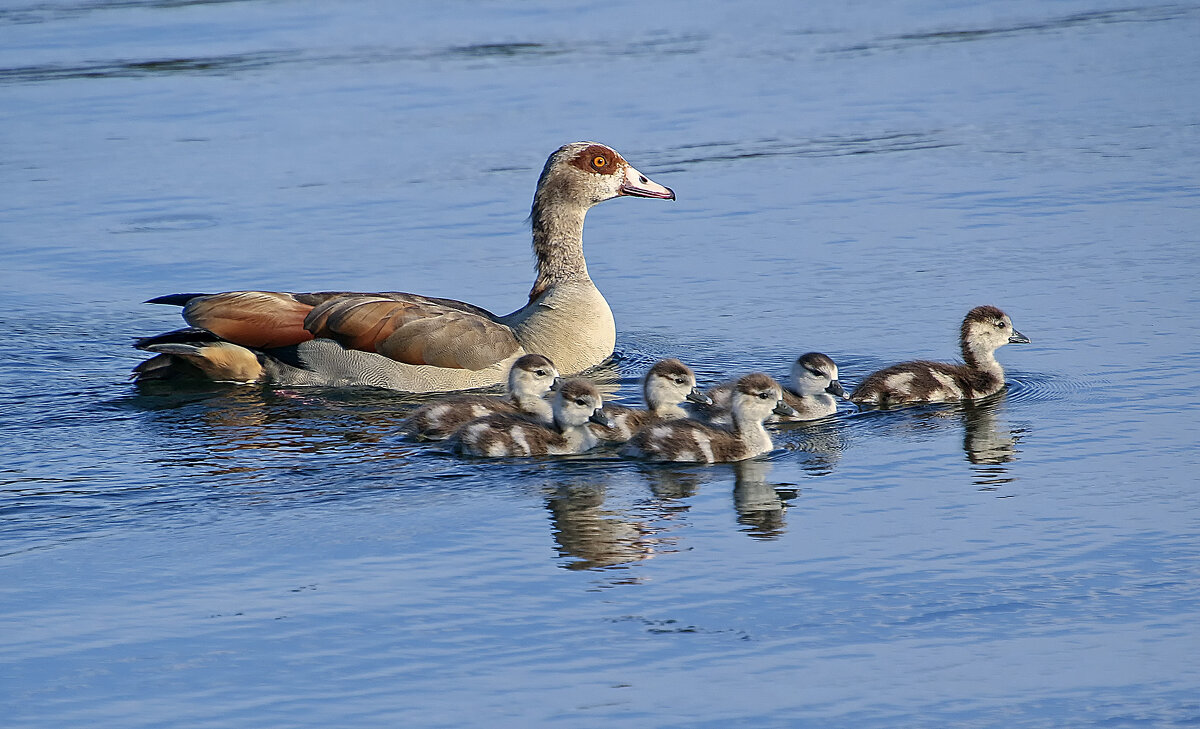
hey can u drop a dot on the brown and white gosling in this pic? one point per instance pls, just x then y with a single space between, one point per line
984 330
666 388
813 394
755 398
575 403
529 381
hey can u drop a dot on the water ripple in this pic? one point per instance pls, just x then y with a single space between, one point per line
828 146
1150 14
208 66
1028 387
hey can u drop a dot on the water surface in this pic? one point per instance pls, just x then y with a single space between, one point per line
852 178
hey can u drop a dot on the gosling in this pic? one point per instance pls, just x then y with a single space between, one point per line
576 402
813 394
984 330
668 388
529 380
755 398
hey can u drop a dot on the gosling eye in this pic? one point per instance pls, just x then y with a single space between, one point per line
678 380
540 373
580 401
1001 325
764 395
815 373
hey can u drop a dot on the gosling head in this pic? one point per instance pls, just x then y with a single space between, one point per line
586 173
577 401
670 382
985 329
531 376
756 397
814 374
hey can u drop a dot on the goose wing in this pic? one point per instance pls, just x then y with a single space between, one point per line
261 319
417 330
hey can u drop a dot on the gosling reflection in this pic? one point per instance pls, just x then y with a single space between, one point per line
761 505
673 483
989 444
595 536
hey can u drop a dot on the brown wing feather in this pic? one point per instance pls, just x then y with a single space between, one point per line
262 319
415 329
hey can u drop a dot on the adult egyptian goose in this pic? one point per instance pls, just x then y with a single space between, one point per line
755 398
416 343
667 387
529 380
813 394
575 403
984 330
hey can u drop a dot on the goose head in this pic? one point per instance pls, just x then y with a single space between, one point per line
576 402
985 329
756 397
670 382
531 376
814 374
586 173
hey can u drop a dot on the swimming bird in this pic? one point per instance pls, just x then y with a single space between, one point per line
415 343
755 398
667 387
813 394
984 330
575 403
529 380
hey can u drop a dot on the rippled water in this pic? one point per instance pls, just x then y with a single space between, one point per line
852 178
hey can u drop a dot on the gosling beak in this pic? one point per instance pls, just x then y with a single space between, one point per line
599 418
1018 338
696 396
554 386
835 388
782 408
638 185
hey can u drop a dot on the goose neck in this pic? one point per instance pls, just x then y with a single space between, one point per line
557 243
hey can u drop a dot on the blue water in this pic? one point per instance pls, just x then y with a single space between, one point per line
852 178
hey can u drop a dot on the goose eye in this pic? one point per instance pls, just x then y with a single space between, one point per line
599 161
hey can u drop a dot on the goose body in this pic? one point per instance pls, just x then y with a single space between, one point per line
415 343
575 403
529 380
814 392
984 330
754 399
668 387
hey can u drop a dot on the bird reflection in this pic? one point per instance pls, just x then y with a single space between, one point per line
597 537
989 444
761 505
673 483
248 430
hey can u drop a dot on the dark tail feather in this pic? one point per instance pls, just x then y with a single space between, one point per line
188 335
174 299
